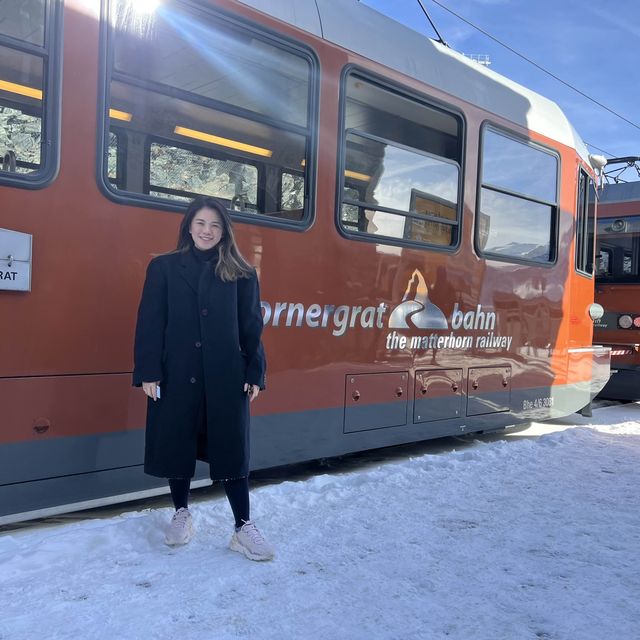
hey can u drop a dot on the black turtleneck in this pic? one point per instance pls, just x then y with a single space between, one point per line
205 256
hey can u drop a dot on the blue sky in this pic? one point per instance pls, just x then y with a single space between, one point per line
591 45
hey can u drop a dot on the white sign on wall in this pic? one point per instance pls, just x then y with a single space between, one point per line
15 260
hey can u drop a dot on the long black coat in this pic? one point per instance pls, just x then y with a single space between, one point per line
200 337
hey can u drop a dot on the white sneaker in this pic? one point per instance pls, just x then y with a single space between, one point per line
180 529
249 541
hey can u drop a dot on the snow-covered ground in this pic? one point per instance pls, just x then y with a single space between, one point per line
528 536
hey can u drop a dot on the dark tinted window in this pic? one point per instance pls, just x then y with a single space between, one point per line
618 249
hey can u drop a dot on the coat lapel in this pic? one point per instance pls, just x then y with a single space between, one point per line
190 269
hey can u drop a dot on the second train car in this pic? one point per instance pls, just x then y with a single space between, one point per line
618 286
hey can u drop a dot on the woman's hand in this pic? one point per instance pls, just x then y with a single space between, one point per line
252 390
151 389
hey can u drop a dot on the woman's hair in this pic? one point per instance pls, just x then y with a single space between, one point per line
231 264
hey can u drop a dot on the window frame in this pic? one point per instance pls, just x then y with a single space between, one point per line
391 86
555 206
107 74
51 55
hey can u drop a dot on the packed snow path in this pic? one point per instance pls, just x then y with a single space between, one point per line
534 537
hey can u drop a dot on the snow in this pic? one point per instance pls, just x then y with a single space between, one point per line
529 535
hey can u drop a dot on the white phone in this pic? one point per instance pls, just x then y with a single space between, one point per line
158 391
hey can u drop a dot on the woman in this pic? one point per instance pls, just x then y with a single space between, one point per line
199 359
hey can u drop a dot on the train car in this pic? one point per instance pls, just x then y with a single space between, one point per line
417 222
618 286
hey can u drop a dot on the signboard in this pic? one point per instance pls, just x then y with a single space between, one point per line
15 260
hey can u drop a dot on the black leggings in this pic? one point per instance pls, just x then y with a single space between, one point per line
237 493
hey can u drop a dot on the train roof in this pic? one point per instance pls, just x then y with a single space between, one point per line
361 29
620 192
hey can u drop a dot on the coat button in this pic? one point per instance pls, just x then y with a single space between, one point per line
193 380
198 344
205 312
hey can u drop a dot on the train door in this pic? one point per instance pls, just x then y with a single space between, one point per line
583 361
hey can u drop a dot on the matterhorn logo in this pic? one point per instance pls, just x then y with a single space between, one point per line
416 310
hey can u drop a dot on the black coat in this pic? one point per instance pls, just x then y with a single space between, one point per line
200 337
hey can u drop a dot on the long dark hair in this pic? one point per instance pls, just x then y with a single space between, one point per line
231 264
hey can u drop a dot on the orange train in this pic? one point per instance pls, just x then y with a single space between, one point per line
419 223
618 286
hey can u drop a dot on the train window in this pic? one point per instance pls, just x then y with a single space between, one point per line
21 109
291 191
23 20
112 161
604 260
618 249
27 63
116 158
177 171
210 107
401 174
585 224
350 212
518 200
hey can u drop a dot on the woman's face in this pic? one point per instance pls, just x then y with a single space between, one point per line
206 228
